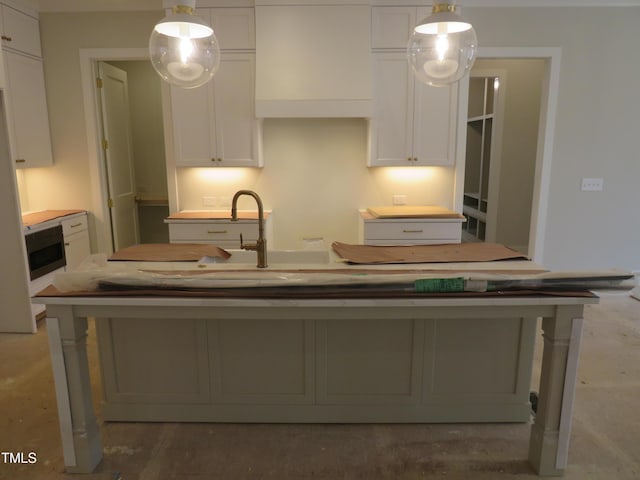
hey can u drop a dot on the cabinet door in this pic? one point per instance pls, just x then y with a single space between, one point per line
28 117
20 32
434 124
392 123
234 28
194 126
76 249
391 26
215 125
237 127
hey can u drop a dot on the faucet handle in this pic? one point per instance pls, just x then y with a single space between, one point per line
247 246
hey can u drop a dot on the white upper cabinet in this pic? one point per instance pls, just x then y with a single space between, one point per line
234 27
20 32
413 124
214 125
27 113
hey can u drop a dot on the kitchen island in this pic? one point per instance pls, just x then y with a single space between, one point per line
196 357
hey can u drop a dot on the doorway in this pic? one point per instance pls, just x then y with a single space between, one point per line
148 147
520 144
146 95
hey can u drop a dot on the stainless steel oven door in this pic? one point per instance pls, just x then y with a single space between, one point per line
45 251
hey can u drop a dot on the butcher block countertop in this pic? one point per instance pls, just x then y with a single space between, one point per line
34 218
186 215
410 211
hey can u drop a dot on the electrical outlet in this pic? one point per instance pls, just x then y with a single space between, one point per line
399 199
592 184
209 201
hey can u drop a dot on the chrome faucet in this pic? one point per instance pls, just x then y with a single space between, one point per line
261 245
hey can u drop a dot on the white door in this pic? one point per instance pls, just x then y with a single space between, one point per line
118 154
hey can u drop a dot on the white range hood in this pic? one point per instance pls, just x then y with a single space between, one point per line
313 61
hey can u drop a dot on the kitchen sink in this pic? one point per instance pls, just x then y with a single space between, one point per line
278 257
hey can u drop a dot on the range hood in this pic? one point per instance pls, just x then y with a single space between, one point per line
313 61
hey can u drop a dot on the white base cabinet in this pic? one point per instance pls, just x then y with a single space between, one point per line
76 240
408 231
222 232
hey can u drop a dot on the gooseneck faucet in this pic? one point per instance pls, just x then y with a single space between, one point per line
261 244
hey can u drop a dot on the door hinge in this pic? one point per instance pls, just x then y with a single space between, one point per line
98 82
105 144
110 203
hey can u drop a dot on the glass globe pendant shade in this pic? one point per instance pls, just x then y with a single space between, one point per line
442 47
183 49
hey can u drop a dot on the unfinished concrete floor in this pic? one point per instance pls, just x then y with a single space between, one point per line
605 442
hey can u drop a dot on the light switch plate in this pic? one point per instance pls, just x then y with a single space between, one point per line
399 199
592 184
209 201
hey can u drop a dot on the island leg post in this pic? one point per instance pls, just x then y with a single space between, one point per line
550 432
81 442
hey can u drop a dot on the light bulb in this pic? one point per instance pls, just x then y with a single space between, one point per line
184 50
442 48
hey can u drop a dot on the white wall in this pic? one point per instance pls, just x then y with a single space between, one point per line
595 134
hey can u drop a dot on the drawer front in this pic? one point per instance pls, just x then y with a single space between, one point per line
73 225
412 230
213 232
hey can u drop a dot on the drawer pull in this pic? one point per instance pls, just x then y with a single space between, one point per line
66 244
216 231
20 160
75 225
412 231
8 39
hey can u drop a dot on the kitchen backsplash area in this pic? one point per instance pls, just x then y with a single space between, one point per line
314 180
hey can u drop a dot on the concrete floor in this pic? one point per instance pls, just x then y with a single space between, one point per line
605 440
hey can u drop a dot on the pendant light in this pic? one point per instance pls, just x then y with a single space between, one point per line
182 48
442 47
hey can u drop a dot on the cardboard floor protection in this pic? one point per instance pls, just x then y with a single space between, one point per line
169 252
453 252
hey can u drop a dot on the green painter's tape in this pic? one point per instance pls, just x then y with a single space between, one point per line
439 285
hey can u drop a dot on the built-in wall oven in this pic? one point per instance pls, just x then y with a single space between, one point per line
45 251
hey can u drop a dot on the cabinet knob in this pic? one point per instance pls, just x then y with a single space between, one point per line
8 39
408 159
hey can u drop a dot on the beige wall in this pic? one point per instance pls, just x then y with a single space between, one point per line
66 184
594 136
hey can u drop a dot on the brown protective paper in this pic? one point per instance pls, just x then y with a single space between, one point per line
169 252
445 253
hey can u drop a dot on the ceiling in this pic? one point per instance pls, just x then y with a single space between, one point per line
140 5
